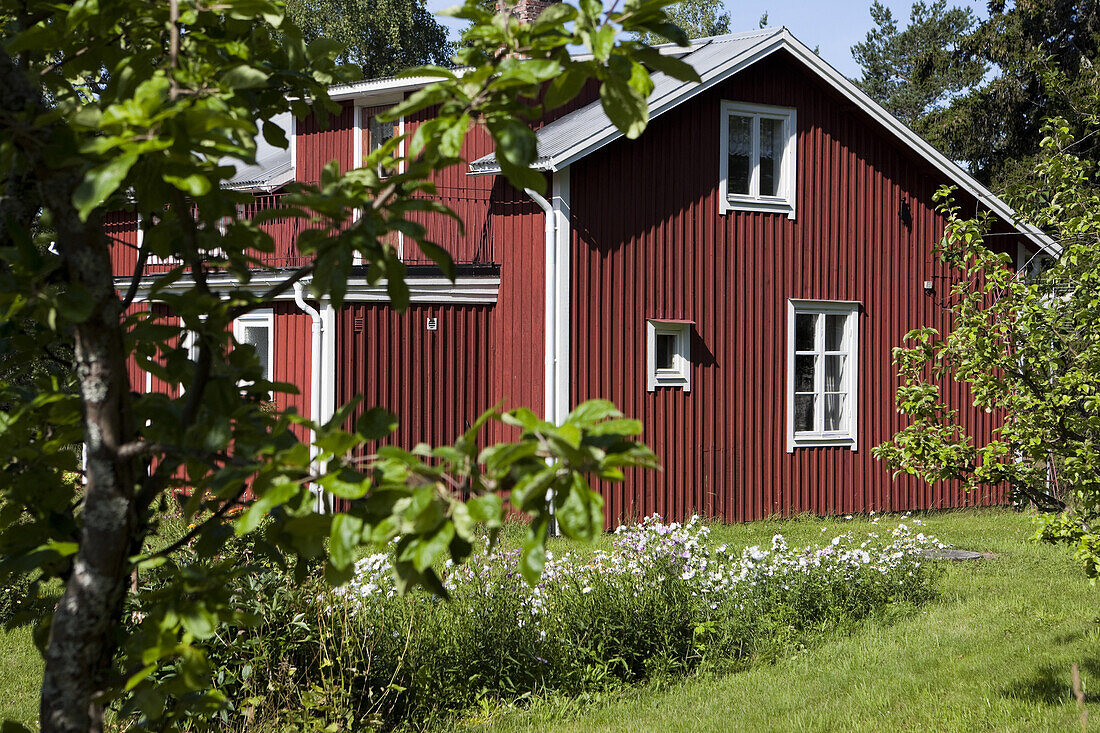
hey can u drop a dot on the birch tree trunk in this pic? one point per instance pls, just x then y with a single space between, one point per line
82 638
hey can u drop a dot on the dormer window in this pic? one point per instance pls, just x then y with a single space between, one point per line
758 158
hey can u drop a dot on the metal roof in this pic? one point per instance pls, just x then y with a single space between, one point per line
715 59
274 166
589 124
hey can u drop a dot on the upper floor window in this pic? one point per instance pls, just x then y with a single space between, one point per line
758 158
822 373
374 133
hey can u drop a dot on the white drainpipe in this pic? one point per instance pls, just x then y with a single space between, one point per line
556 384
316 369
550 324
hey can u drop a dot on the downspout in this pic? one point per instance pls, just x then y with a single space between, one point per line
316 369
550 326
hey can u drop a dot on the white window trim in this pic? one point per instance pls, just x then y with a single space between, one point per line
785 202
680 375
264 317
850 436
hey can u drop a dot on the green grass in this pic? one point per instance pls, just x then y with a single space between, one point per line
994 653
20 677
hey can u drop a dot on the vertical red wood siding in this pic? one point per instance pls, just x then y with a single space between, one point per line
320 140
290 361
648 242
435 382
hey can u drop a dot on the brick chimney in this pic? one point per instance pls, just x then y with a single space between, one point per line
526 11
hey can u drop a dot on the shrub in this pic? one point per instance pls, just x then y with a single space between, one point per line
661 602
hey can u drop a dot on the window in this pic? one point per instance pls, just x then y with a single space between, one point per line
822 364
758 158
668 345
373 133
257 330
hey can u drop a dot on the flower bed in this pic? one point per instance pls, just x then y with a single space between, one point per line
661 601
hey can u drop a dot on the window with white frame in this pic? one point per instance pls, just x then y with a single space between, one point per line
757 158
373 133
257 329
668 347
822 373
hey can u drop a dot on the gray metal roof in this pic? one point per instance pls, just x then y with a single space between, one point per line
708 56
273 167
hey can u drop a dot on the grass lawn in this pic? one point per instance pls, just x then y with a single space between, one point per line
20 677
994 653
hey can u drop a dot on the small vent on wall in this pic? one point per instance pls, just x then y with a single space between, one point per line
358 328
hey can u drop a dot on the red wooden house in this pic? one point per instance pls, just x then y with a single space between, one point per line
735 278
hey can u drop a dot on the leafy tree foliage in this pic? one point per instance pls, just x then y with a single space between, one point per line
697 18
998 125
118 104
1028 347
933 76
382 37
919 70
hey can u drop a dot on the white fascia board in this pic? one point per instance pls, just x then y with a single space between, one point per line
392 84
464 290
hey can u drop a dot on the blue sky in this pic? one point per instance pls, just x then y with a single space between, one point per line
833 26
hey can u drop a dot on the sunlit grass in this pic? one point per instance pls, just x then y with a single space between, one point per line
994 653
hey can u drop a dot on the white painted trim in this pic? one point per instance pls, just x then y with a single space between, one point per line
293 147
850 437
788 182
782 39
680 375
465 290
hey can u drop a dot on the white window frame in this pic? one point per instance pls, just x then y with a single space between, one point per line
679 376
784 202
848 434
264 317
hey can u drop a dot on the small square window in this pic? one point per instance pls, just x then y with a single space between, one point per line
822 380
669 354
757 158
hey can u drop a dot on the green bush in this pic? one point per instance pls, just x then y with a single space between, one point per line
661 603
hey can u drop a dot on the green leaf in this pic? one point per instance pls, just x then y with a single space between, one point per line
100 182
244 77
344 538
276 495
669 65
376 423
624 106
486 509
533 553
580 512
